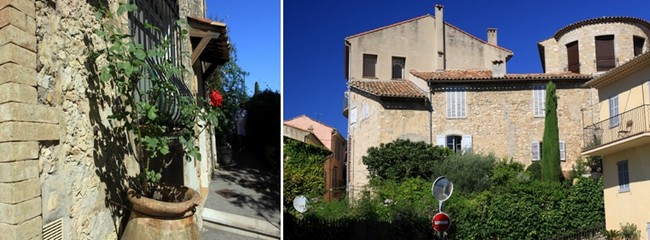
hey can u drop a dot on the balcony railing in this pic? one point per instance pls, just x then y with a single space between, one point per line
618 127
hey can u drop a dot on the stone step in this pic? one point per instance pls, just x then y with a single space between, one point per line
240 225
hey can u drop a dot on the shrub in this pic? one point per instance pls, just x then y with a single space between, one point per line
403 159
469 172
535 171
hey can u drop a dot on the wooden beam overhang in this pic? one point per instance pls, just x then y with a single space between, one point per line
209 43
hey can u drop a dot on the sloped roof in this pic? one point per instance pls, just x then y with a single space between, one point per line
391 88
591 21
486 76
323 132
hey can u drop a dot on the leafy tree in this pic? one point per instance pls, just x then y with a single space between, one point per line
551 169
403 159
257 88
229 79
303 170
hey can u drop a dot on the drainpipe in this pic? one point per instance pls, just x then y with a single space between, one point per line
348 145
430 114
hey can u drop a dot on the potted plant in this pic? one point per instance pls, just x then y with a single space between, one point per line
155 110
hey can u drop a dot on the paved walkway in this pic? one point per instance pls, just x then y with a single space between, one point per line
246 188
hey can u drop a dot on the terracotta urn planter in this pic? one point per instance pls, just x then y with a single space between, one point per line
153 219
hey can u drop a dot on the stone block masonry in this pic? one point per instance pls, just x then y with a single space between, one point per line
23 123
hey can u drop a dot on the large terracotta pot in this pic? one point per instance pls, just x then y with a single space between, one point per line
153 219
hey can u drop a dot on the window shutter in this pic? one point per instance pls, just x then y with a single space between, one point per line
613 111
563 150
534 150
440 140
605 58
573 57
353 115
467 143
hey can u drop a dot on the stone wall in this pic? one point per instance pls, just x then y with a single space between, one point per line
501 120
381 125
58 158
556 53
25 125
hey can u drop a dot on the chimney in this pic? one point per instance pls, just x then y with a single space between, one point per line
498 69
492 36
440 37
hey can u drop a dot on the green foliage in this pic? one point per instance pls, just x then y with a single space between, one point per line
513 207
535 171
264 125
629 231
303 171
580 166
403 159
505 172
469 172
551 169
229 79
257 88
144 114
612 234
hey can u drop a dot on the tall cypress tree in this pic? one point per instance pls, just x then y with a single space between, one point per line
551 169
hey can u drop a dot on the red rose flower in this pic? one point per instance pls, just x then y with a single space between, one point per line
216 98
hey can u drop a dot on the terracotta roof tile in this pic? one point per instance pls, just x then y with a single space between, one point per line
486 76
591 21
392 88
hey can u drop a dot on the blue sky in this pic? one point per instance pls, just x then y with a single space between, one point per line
314 33
254 29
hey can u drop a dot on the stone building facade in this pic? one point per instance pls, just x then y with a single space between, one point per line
384 102
504 115
622 38
60 171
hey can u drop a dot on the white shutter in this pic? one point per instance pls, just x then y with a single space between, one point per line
440 140
462 103
534 150
353 115
562 150
539 100
466 143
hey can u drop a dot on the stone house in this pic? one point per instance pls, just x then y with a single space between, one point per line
621 136
384 101
309 131
60 173
457 91
595 45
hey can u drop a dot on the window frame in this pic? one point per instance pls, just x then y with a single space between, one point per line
575 65
614 112
601 59
539 100
536 151
456 100
398 62
638 48
369 69
623 171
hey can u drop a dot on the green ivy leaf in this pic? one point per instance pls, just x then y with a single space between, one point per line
164 149
140 54
151 113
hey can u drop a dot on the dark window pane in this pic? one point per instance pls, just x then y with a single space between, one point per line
573 57
605 59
